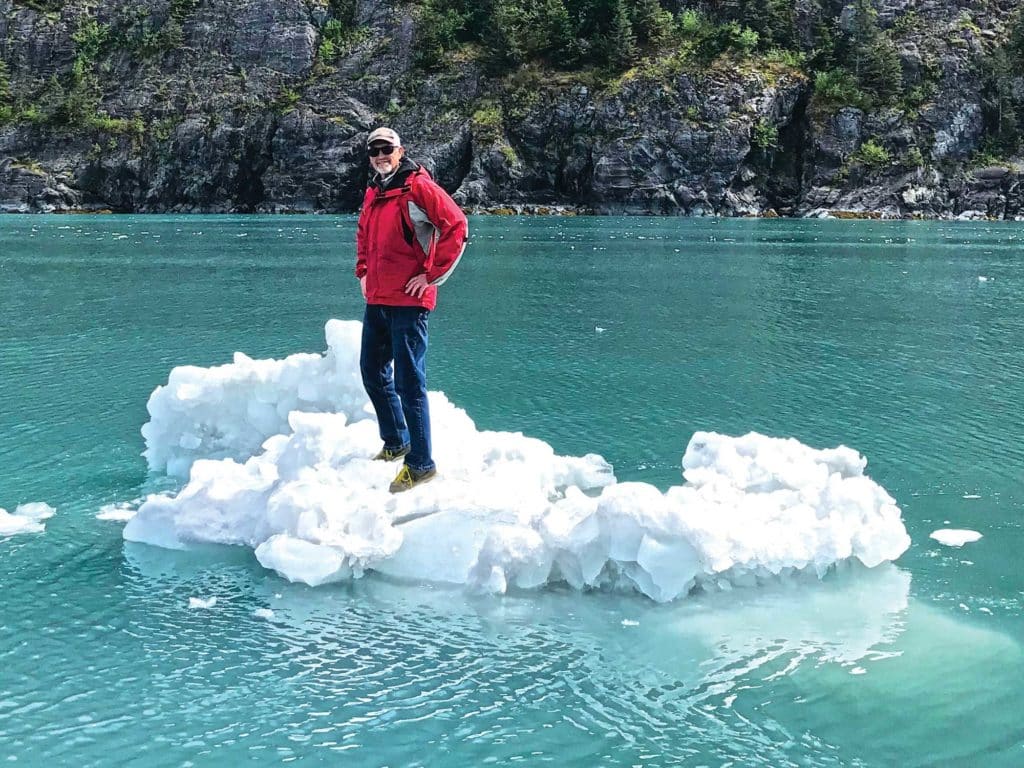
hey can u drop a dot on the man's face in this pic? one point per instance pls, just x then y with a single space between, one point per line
383 163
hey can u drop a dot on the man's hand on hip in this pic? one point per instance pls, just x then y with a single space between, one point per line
417 286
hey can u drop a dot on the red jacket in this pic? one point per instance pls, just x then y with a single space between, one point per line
409 227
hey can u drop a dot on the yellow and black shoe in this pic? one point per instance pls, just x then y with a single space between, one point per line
409 478
390 454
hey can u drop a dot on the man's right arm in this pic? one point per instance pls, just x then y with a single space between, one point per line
361 246
361 238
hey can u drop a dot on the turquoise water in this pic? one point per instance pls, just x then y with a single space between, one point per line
876 335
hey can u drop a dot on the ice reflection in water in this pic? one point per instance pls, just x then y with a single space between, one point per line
397 673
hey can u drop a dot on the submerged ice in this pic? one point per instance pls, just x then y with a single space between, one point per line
277 456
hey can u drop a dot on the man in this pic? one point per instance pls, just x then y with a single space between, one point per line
410 236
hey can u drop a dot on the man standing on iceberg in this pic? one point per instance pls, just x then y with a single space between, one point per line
411 235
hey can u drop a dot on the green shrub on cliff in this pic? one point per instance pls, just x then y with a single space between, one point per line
764 135
706 41
89 39
43 6
487 122
332 40
774 20
872 155
838 88
6 105
81 89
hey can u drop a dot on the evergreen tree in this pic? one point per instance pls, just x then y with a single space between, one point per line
1015 44
437 33
998 103
774 20
651 23
561 45
621 40
870 54
1002 107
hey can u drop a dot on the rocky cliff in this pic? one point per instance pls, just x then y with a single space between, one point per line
264 105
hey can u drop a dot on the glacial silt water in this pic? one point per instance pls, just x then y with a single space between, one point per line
903 340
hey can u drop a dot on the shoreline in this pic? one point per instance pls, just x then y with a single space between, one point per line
531 209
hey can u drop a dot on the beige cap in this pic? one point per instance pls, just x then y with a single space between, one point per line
384 134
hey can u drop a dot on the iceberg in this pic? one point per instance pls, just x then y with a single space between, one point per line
277 459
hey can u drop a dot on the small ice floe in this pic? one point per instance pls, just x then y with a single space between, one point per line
972 495
202 602
599 329
27 518
630 623
119 512
955 537
263 613
983 279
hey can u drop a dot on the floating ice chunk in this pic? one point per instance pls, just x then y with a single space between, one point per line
263 613
506 512
954 537
202 602
599 329
983 279
35 511
11 524
120 512
27 518
972 496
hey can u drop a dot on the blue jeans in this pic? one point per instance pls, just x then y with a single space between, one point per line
398 335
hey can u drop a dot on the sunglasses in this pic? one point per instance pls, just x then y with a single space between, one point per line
374 151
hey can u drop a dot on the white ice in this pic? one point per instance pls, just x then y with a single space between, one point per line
27 518
202 602
120 512
955 537
277 455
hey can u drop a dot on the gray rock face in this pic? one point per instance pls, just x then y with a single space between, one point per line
326 167
959 130
224 105
278 35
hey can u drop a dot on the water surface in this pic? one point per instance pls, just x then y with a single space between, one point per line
619 336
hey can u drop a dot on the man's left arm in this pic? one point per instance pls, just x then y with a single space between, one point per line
452 230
